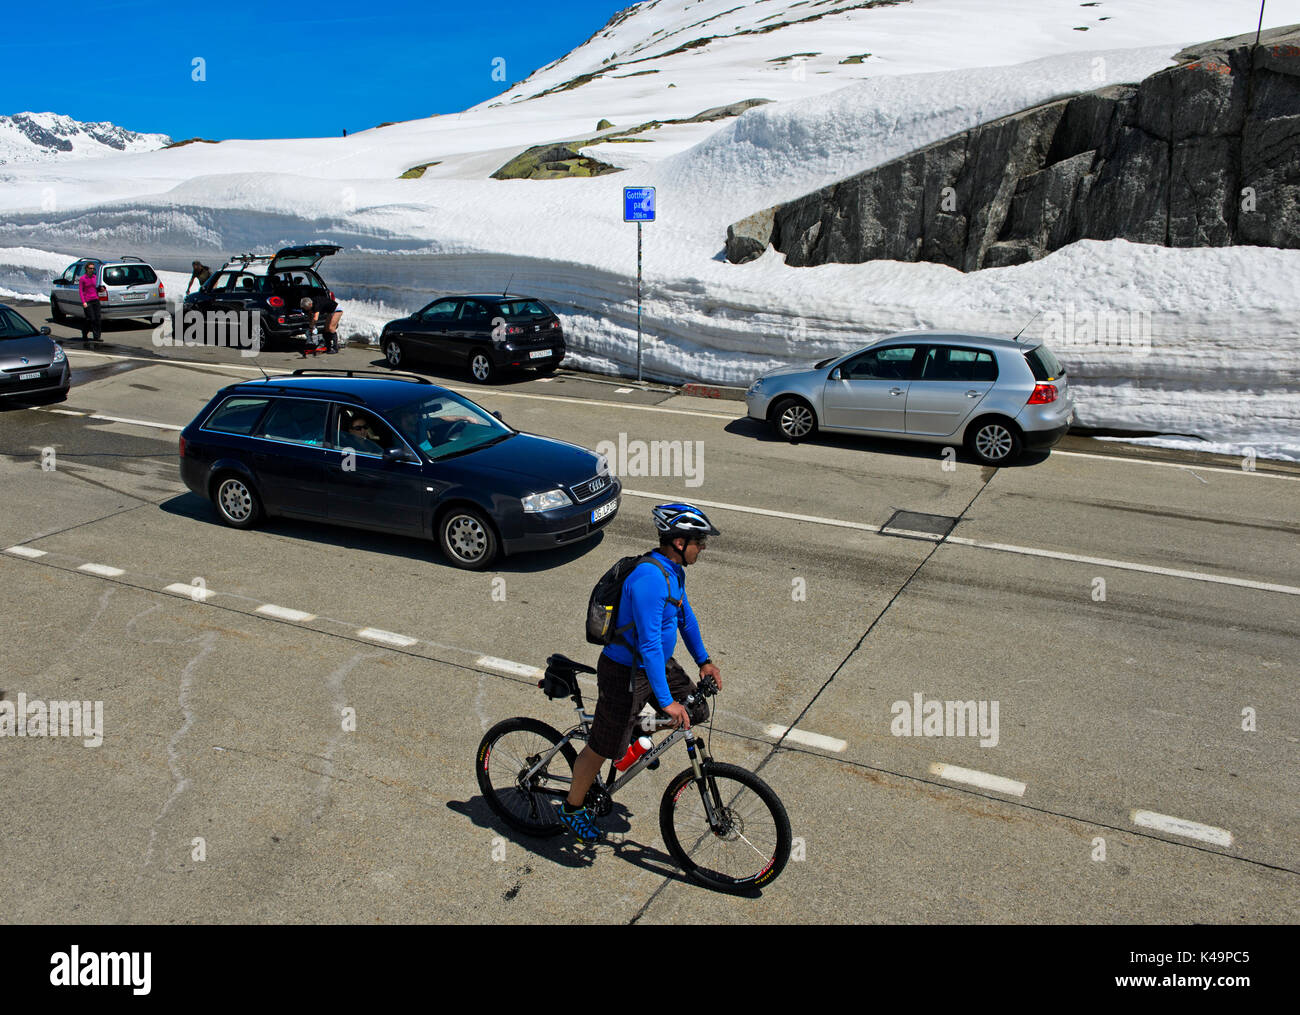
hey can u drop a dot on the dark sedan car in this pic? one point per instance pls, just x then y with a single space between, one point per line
32 365
392 453
486 334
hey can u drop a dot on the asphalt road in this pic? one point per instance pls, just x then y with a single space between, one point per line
222 730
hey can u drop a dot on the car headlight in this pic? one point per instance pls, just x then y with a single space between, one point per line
758 383
548 501
59 354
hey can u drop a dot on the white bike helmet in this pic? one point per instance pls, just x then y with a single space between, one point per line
674 520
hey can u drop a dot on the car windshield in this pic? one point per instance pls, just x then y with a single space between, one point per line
514 309
129 274
445 424
14 325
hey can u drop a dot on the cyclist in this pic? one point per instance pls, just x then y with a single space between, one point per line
632 672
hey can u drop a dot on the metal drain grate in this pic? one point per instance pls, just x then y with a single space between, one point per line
915 525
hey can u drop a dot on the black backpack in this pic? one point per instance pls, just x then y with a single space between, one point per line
602 607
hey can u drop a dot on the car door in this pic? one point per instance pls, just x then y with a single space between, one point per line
289 457
366 490
952 382
65 294
869 391
473 329
430 331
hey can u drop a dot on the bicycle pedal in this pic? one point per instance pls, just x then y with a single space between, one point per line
653 765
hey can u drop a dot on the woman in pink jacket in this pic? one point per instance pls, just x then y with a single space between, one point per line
90 317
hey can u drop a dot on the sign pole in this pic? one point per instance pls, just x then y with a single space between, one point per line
638 302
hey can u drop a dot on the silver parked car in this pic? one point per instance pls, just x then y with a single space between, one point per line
128 287
32 365
995 395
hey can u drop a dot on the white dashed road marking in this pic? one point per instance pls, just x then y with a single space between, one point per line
1183 827
622 391
30 552
972 777
507 666
103 570
837 522
284 613
196 592
386 637
798 736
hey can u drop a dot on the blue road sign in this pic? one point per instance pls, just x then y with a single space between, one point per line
638 204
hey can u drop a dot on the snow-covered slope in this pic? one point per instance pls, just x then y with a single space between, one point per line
41 137
936 67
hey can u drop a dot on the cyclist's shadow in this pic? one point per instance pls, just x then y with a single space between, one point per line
565 850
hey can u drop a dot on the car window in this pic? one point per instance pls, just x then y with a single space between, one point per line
1045 366
446 424
128 274
362 431
70 275
245 283
893 363
238 414
514 309
474 311
443 310
221 281
296 420
947 363
15 325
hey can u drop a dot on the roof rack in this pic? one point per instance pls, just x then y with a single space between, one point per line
386 374
127 257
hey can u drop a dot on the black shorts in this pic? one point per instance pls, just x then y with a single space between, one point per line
623 692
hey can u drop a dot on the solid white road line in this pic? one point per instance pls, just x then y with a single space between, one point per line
135 422
996 783
837 522
891 530
1125 565
1183 827
284 613
507 666
30 552
196 592
798 736
66 412
1175 465
103 570
386 637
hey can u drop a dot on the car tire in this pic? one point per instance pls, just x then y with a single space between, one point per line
236 501
393 353
468 539
794 419
55 312
994 440
481 367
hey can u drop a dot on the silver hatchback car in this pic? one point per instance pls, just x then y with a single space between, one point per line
128 288
996 395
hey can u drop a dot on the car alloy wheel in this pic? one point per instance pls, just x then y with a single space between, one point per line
480 365
236 502
468 539
794 419
393 353
994 442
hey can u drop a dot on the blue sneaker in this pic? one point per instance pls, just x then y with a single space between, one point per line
580 822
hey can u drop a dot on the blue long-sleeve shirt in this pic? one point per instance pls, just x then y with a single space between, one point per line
645 604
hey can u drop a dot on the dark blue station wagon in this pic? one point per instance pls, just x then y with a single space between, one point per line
392 453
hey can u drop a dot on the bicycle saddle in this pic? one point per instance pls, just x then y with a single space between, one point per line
564 662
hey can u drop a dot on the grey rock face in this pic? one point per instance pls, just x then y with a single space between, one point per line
1206 153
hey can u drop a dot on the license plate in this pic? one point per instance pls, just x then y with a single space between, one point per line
29 377
539 354
134 296
604 511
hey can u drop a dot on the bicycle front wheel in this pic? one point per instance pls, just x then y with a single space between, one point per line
507 753
750 842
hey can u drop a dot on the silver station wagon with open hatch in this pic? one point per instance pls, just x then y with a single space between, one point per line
996 395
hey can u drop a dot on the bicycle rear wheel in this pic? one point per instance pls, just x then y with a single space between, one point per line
752 843
507 752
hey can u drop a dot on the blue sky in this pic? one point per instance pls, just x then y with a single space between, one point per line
295 69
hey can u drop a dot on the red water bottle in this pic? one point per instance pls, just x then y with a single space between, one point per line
637 748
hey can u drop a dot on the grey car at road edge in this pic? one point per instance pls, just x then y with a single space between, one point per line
32 365
996 395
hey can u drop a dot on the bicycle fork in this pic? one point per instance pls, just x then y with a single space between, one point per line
714 808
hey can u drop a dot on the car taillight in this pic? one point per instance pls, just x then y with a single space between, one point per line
182 447
275 301
331 292
161 291
555 324
1043 393
103 292
514 330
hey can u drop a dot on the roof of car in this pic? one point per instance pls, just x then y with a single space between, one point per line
968 337
377 392
496 297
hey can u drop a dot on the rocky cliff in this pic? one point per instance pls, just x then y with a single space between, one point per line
1205 153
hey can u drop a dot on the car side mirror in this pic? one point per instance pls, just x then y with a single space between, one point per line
836 375
396 454
498 416
45 331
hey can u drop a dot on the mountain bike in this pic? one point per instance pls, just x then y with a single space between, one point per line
722 824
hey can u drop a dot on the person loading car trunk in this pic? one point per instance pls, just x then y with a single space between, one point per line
91 317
